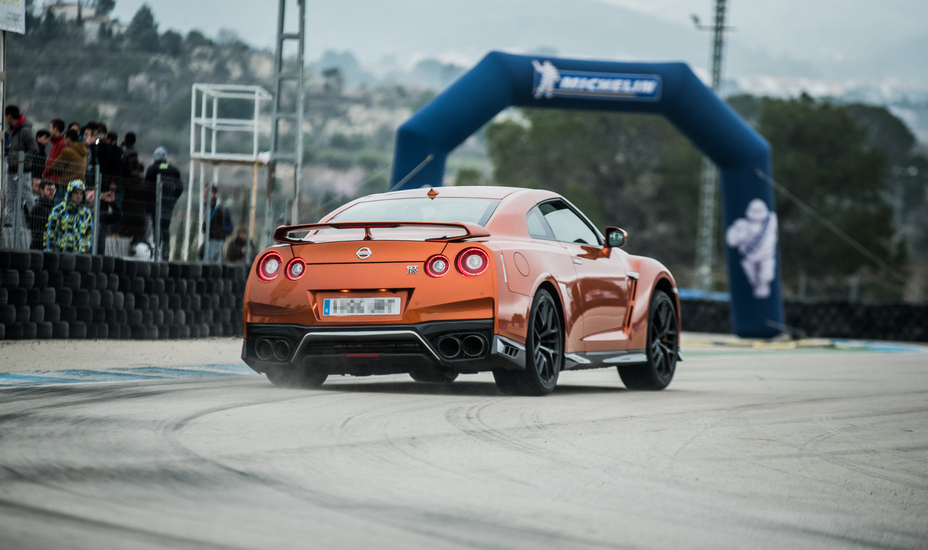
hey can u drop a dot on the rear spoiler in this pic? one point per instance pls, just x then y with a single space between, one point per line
471 230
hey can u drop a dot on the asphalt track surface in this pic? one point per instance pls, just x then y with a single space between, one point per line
749 448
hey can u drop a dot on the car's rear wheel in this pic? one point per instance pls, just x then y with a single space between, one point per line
545 352
287 376
433 376
663 343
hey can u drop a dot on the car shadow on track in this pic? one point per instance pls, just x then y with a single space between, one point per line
455 388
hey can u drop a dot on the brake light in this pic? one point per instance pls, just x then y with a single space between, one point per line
472 262
437 266
269 266
295 269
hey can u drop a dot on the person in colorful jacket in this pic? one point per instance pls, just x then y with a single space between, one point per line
70 225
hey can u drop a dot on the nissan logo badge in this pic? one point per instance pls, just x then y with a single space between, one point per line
364 253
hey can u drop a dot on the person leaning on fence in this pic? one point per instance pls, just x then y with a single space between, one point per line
18 139
56 128
37 166
38 217
171 189
70 225
110 215
220 226
240 249
71 163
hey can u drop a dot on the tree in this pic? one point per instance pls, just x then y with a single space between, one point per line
104 7
635 171
143 30
820 157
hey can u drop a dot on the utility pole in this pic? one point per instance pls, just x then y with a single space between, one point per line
294 117
705 239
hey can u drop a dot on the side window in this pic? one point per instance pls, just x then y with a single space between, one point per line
567 225
537 226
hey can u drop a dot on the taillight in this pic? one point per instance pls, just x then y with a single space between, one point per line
269 266
295 269
437 266
472 262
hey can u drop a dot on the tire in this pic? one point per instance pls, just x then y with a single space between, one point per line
78 330
106 298
26 279
544 349
55 279
66 262
37 315
37 260
663 343
17 297
64 296
23 314
433 376
4 296
60 331
30 330
294 377
9 278
7 314
81 298
44 330
14 331
68 314
72 280
53 313
85 314
41 279
83 263
50 260
20 260
47 296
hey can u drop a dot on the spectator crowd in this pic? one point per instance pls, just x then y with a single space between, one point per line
57 173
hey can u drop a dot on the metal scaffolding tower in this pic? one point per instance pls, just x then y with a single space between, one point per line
282 77
705 240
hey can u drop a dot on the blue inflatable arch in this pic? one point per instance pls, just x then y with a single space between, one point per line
502 80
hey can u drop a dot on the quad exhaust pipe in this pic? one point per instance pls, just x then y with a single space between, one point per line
470 345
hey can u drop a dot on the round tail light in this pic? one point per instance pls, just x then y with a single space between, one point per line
269 266
437 266
473 262
295 269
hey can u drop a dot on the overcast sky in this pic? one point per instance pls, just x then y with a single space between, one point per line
836 29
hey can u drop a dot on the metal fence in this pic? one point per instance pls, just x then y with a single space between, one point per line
131 216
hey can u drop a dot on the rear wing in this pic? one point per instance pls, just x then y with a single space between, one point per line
284 233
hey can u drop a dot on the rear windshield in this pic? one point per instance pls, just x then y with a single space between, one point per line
446 210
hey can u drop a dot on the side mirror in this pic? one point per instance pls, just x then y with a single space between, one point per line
615 237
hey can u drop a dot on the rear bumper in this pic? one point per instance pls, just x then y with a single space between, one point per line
460 346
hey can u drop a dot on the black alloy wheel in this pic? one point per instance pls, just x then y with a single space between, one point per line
545 352
663 345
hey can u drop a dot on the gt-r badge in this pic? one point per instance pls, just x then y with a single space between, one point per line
363 253
412 270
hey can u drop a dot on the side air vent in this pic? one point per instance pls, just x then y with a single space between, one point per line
632 296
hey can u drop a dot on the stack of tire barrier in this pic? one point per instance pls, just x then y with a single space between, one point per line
899 322
49 295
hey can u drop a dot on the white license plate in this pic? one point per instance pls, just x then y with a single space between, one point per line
338 307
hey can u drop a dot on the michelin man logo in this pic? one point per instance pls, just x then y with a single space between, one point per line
550 76
755 236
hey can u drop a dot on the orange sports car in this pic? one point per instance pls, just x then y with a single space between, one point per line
457 280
